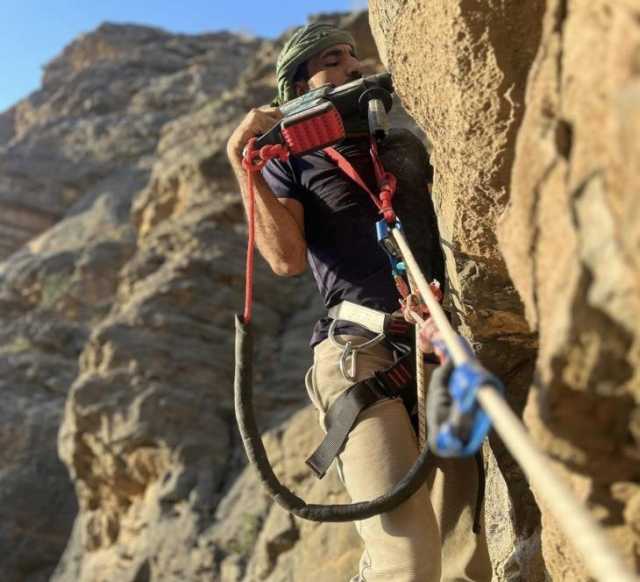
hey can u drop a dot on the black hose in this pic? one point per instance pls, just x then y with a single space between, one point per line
243 389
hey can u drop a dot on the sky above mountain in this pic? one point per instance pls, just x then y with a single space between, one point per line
32 32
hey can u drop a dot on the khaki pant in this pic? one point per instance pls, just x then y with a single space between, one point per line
429 537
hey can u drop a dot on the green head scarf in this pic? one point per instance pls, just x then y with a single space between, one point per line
304 44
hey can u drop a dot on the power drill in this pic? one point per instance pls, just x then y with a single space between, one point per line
321 117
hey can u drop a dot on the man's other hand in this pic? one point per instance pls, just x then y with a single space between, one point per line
255 123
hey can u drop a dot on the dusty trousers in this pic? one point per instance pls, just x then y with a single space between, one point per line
429 537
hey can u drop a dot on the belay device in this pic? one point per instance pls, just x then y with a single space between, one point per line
313 121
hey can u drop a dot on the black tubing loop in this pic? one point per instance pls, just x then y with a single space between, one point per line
254 448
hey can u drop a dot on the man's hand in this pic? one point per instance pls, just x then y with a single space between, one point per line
255 123
414 311
279 223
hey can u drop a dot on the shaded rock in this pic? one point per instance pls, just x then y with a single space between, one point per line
570 240
461 70
7 125
249 525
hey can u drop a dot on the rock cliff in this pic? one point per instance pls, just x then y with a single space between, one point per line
123 237
571 237
538 193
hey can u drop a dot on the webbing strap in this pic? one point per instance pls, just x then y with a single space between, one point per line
391 324
342 414
339 420
349 170
369 318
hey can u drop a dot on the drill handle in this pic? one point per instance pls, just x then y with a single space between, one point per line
271 137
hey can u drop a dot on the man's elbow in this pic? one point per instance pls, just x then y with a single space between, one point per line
290 268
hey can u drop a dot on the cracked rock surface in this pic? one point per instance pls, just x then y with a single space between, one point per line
537 180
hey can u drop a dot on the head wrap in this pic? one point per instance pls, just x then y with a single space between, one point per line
305 42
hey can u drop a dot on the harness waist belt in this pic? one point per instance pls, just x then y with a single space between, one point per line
376 321
371 319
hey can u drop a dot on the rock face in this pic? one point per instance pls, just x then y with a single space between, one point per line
116 321
461 73
576 179
564 203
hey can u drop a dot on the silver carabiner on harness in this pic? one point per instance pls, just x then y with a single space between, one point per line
350 352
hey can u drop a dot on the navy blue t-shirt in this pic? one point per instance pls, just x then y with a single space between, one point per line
339 227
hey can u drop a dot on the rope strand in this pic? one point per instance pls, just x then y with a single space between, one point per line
421 389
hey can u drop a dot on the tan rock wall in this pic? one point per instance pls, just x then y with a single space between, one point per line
460 68
565 205
571 238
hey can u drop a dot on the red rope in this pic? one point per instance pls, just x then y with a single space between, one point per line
387 182
253 161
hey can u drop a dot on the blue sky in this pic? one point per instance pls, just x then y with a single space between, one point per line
32 32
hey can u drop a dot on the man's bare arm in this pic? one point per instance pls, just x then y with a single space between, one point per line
279 222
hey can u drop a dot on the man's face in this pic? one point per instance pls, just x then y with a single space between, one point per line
336 65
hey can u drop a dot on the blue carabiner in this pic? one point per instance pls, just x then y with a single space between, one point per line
383 233
461 435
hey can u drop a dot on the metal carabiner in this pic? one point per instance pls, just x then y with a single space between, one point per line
348 352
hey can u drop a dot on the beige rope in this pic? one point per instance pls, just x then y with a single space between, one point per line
420 383
579 526
577 523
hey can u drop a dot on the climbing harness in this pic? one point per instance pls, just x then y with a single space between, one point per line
392 382
477 398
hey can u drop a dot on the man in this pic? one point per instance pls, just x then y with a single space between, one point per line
308 211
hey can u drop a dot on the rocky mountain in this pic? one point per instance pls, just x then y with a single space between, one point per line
123 234
117 343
